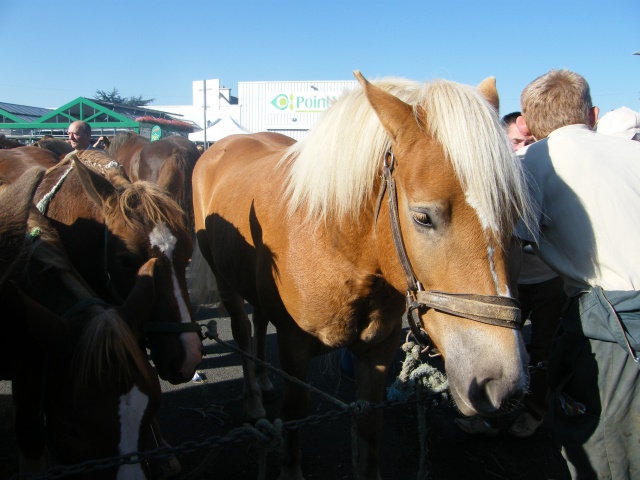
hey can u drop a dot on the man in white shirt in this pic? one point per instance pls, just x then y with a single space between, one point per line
587 189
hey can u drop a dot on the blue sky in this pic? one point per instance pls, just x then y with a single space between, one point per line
54 52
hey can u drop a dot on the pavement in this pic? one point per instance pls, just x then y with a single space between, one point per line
204 421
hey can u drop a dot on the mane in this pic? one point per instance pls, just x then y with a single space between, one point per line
107 351
104 164
143 199
333 170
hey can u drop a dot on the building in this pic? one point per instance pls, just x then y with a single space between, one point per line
287 107
30 123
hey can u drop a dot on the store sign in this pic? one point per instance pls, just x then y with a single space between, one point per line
303 102
156 133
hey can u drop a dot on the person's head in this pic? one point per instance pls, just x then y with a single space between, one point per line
557 99
79 135
621 122
516 137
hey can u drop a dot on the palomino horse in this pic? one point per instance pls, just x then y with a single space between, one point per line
302 233
81 387
167 162
110 227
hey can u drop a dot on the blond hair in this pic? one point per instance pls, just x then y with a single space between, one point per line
555 99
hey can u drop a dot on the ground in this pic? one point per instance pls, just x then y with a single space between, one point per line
202 418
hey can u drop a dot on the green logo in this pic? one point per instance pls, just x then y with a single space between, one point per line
282 102
303 102
156 133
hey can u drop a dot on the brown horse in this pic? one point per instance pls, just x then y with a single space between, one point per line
15 201
301 231
167 162
74 361
14 162
110 227
58 146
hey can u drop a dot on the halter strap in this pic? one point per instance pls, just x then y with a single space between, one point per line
488 309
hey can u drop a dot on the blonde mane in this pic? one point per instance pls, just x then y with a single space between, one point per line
332 171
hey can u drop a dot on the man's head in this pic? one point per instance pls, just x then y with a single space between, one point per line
516 137
79 135
557 99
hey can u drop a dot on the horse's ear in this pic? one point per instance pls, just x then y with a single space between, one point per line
392 112
137 307
98 187
489 91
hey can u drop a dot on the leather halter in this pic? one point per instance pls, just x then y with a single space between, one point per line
489 309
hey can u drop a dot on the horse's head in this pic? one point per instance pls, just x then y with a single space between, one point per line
79 356
143 223
459 193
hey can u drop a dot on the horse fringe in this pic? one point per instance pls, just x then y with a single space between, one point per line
426 381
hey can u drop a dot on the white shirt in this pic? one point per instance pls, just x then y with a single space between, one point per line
587 187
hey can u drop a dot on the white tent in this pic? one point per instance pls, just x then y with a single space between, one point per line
222 127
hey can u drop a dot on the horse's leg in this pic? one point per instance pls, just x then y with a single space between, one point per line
260 324
241 331
371 372
294 359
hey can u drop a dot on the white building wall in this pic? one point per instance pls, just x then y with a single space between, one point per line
287 107
218 101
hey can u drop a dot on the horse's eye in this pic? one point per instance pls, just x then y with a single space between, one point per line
422 219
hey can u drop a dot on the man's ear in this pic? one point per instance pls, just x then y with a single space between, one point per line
594 113
522 126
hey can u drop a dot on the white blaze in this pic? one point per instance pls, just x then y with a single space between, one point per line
162 238
131 410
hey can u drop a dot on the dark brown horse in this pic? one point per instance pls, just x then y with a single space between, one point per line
167 162
58 146
74 360
110 227
15 201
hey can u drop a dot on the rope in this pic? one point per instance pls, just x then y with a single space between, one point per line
269 436
427 383
43 204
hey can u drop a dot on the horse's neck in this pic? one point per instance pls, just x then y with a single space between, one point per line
51 279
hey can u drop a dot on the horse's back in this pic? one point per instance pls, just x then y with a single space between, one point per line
232 171
16 161
237 194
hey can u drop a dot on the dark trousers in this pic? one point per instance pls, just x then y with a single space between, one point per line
542 303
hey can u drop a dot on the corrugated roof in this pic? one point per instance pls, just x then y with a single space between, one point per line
24 112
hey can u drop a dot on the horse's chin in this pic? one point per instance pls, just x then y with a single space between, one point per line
175 378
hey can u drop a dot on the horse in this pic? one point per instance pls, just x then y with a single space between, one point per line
14 162
7 143
58 146
167 162
110 227
299 232
82 389
15 199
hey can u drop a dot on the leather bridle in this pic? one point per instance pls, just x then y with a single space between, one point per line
489 309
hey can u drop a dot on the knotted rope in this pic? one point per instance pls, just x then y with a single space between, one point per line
427 383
